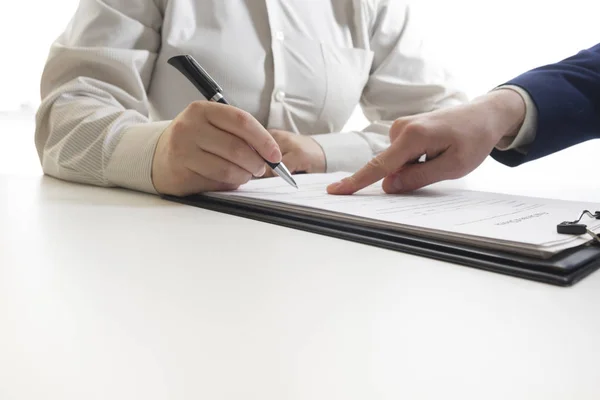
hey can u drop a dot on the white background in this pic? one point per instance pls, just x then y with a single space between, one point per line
483 43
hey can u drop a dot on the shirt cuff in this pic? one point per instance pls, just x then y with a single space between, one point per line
345 151
526 134
130 165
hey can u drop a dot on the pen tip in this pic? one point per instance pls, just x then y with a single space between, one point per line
284 173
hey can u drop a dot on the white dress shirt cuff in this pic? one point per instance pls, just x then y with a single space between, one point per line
131 163
526 134
346 151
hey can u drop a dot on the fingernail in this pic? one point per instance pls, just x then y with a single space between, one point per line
275 155
261 172
397 183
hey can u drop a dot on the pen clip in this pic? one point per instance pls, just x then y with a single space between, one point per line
190 68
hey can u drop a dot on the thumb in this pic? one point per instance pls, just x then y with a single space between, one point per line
416 176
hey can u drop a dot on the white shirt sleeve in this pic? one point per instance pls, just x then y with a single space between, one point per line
405 80
93 123
526 134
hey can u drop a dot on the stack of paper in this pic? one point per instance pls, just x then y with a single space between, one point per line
521 225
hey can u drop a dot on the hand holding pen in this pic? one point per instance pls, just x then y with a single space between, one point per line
212 92
211 146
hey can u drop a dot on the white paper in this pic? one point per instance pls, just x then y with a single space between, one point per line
489 217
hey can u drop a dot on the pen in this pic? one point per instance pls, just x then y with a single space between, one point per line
190 68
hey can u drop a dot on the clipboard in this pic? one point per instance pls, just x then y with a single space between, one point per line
563 269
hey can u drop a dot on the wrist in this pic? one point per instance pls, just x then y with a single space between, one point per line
505 110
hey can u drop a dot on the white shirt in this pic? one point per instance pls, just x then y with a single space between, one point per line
297 65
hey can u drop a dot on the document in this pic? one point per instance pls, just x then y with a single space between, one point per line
518 224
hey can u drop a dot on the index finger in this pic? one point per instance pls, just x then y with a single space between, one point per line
386 163
243 125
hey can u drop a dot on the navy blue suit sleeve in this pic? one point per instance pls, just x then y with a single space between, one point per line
567 97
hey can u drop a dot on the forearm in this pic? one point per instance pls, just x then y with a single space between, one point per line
95 140
92 125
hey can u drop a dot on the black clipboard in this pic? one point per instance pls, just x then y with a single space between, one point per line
563 269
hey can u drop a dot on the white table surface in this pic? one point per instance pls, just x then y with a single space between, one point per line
110 294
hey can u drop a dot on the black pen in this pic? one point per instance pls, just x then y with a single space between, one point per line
213 92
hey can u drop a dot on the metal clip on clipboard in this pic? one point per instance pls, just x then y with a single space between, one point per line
577 228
